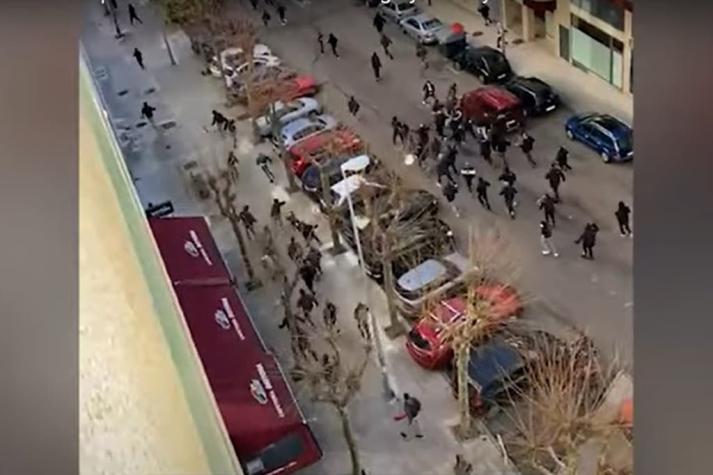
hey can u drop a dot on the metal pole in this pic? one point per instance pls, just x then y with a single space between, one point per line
388 390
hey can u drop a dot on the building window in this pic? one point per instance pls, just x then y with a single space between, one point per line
593 50
605 10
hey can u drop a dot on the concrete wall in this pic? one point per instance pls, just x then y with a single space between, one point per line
143 403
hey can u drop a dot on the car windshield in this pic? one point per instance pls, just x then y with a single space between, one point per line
625 143
418 340
404 6
432 24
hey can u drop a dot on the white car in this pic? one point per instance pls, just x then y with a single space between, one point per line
433 276
422 28
234 62
302 128
399 9
287 112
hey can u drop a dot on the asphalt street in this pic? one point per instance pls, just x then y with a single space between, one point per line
594 296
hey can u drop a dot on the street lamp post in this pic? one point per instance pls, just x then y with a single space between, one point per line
388 389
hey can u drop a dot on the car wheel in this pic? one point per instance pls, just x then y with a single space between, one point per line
570 135
605 157
457 66
481 78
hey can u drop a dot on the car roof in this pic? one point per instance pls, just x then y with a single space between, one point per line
498 96
484 51
458 260
532 83
488 363
421 17
347 186
298 124
422 275
611 123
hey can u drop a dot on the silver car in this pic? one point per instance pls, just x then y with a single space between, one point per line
422 28
287 112
304 127
433 276
398 9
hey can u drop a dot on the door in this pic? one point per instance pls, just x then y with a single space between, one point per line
564 43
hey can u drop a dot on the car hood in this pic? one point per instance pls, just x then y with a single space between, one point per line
492 363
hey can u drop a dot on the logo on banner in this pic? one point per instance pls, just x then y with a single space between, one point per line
222 319
191 249
258 391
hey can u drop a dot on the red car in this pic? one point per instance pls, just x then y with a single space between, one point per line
301 85
424 342
490 104
340 141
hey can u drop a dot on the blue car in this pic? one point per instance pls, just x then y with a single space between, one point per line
611 138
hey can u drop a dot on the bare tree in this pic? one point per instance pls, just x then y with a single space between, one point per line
222 192
332 380
556 414
491 265
394 229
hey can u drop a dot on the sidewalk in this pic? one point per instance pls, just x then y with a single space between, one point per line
184 99
579 90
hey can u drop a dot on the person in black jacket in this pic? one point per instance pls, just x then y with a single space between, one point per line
508 177
547 204
139 57
385 43
429 92
332 40
443 169
526 145
622 217
561 159
481 191
508 193
450 191
486 150
396 130
376 66
379 22
484 10
468 173
248 220
548 246
555 177
588 239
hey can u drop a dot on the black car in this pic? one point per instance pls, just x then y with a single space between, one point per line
487 64
537 96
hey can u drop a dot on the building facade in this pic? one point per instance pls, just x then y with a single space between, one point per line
593 35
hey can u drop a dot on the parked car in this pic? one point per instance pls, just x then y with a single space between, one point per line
425 343
331 168
491 104
487 64
494 370
398 10
232 57
431 237
287 112
323 146
233 73
610 137
422 27
537 96
292 85
302 128
433 276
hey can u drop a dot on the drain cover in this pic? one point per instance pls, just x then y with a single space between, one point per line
168 125
123 92
150 90
141 124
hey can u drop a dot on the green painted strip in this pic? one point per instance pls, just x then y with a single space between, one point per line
216 445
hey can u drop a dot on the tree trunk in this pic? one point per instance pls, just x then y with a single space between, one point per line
337 247
253 282
395 328
462 355
349 438
171 57
275 126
